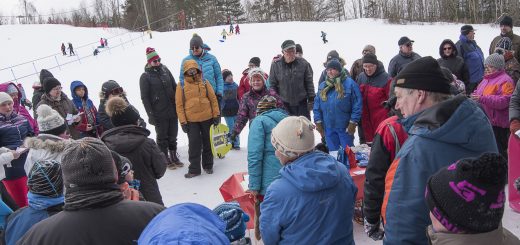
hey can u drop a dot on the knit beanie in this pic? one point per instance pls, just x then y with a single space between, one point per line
108 87
50 83
151 55
235 219
495 60
468 196
266 103
505 43
45 178
123 166
196 41
299 48
334 64
423 74
226 73
369 49
370 59
5 97
257 71
333 54
44 74
11 89
50 121
466 29
121 113
87 162
256 61
293 136
506 21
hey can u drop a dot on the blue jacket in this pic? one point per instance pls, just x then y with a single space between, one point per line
13 130
336 113
473 58
210 70
185 223
311 203
442 134
230 103
263 166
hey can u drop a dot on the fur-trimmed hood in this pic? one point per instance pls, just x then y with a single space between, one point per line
48 142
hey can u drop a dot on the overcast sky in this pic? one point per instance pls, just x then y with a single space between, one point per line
13 7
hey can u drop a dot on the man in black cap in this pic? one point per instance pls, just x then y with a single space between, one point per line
291 78
405 56
468 49
506 30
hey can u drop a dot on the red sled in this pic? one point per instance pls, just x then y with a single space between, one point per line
231 190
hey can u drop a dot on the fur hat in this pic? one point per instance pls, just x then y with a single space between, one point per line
121 113
45 179
50 121
256 61
123 166
196 41
50 83
257 71
5 97
151 55
495 60
293 136
235 219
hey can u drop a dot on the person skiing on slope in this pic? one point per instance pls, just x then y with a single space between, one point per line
324 37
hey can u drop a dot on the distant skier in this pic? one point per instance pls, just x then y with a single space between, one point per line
224 34
71 50
63 49
101 43
324 37
96 52
231 28
237 30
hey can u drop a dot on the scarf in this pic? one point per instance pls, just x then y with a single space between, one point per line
92 199
40 202
335 83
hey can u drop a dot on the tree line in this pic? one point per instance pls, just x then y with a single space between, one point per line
166 15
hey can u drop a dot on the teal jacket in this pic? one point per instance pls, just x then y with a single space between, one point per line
210 67
262 165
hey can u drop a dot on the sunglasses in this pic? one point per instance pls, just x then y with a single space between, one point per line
195 47
447 48
116 91
157 61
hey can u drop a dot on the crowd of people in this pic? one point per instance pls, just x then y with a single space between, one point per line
74 172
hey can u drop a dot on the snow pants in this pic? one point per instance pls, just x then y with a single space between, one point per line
336 137
199 142
166 130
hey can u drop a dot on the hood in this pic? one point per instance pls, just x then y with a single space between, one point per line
313 172
44 74
185 223
457 121
73 86
47 142
453 48
276 114
125 138
191 64
16 103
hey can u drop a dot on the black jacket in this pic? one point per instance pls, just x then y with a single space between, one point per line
292 81
158 92
453 62
148 162
121 223
104 119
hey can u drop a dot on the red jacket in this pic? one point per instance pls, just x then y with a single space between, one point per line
244 85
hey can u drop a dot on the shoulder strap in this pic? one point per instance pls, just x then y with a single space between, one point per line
396 139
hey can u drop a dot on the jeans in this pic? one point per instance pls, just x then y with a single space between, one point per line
230 122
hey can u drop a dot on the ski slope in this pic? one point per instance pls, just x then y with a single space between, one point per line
124 64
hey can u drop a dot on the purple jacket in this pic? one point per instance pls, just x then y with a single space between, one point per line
495 91
20 109
248 103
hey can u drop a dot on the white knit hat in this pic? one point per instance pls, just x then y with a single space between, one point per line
5 97
49 120
256 71
293 136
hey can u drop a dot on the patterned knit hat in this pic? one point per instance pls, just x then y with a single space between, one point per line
50 121
495 60
266 103
5 97
257 71
293 136
45 178
151 55
468 196
235 219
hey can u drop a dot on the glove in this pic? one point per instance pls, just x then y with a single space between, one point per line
351 129
319 128
310 104
185 128
216 121
373 230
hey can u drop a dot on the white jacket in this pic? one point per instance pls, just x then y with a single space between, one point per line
44 147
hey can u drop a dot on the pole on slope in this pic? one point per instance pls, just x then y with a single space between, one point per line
147 20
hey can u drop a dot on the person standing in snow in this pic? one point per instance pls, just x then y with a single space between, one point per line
158 87
450 59
324 37
468 49
357 66
63 49
405 56
333 54
89 125
101 43
244 85
230 104
313 200
39 91
237 30
71 50
291 78
506 30
224 34
231 28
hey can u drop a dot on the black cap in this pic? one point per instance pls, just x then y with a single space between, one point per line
423 74
50 83
404 40
255 60
466 29
287 44
370 59
506 21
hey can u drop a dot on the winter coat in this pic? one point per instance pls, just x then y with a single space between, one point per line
90 107
20 109
343 63
148 162
158 92
120 223
495 92
44 147
247 109
515 39
473 58
230 102
441 135
382 154
245 86
185 223
311 203
13 130
453 62
357 68
195 100
292 81
399 61
263 166
337 112
500 236
210 70
64 106
512 67
374 91
514 105
37 95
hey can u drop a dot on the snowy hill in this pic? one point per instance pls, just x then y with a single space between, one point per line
124 64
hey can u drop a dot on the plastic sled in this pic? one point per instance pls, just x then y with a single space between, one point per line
220 145
233 190
221 40
514 172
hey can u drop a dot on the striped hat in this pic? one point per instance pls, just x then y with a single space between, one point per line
266 103
151 55
45 178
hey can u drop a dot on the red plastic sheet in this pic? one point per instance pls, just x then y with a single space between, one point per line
231 190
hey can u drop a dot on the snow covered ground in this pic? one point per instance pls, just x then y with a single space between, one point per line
125 63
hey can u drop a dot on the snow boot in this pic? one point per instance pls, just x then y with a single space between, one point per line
174 159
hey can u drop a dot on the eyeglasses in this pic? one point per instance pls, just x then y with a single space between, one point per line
447 48
157 61
409 44
59 88
116 91
195 47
